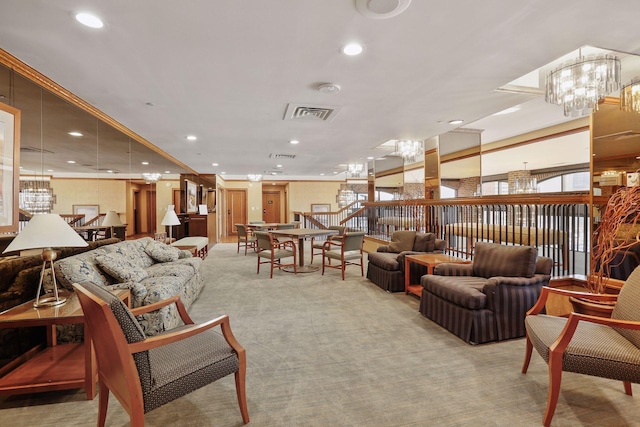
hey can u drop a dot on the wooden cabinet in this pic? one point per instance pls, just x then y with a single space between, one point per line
203 225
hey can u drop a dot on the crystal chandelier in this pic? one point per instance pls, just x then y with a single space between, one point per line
580 84
355 169
345 197
151 177
409 150
630 96
36 196
254 177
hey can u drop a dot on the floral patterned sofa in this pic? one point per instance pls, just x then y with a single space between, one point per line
151 270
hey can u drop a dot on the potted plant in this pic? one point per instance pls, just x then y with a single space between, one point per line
617 231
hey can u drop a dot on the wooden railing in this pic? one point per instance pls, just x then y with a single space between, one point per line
558 225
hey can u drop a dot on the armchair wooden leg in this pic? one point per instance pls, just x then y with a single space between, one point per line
527 355
555 378
343 266
240 391
627 388
103 404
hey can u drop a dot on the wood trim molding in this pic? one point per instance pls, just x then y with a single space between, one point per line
45 82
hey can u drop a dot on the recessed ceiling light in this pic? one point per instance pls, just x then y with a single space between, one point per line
370 158
222 173
278 166
214 164
49 170
455 122
145 163
294 141
167 171
109 171
328 88
71 161
192 137
352 49
75 133
321 174
89 20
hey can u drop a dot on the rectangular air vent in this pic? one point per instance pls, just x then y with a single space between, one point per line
282 156
310 112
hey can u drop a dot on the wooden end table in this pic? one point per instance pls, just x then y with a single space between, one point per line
56 366
430 261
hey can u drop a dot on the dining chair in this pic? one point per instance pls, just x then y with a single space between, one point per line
245 238
347 250
316 246
584 344
274 251
144 373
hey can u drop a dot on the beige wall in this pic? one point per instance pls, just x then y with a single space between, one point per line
303 194
164 198
109 194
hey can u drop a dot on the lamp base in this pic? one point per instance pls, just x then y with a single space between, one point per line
49 301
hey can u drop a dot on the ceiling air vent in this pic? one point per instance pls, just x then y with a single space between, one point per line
282 156
310 112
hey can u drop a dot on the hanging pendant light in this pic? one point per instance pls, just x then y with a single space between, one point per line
630 96
579 85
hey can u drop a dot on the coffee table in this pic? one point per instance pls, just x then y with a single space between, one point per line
57 366
430 261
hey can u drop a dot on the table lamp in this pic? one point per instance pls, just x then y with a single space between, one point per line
45 231
170 219
111 219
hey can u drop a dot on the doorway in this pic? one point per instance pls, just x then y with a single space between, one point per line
271 206
236 209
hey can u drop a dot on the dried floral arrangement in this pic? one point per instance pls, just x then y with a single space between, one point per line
618 230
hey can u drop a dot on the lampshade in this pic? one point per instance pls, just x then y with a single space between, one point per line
170 218
46 231
111 219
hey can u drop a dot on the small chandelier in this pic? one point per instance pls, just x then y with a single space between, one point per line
355 169
409 150
151 177
254 177
630 96
345 197
580 84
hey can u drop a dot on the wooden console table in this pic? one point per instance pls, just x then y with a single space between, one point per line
56 366
430 261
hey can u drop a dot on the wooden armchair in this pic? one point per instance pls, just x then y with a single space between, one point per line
273 251
347 250
145 372
245 238
591 345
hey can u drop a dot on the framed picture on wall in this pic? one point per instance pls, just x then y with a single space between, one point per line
90 212
320 207
203 196
192 196
9 167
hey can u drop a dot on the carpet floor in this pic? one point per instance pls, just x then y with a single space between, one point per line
327 352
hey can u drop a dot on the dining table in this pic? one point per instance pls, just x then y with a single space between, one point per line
301 234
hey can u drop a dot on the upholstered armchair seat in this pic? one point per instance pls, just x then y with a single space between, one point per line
488 299
386 265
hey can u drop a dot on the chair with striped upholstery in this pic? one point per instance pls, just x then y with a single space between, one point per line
488 299
590 345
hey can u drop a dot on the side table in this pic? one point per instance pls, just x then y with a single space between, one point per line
56 366
430 261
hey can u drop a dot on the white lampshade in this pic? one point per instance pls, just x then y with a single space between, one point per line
46 231
111 219
170 218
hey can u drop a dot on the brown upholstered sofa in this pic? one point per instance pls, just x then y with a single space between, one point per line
486 300
386 266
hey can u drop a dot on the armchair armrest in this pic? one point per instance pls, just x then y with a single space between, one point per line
184 333
546 291
182 311
449 269
384 248
519 281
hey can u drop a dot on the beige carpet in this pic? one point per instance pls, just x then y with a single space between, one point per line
323 352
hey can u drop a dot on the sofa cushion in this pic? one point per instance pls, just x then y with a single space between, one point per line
120 268
424 242
402 241
385 260
463 291
493 259
161 252
133 250
81 268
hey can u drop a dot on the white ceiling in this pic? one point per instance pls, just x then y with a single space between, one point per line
227 70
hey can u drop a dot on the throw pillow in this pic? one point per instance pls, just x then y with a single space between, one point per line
161 252
493 259
120 268
402 241
425 242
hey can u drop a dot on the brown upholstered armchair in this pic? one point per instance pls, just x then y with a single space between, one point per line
386 266
591 345
488 299
145 373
